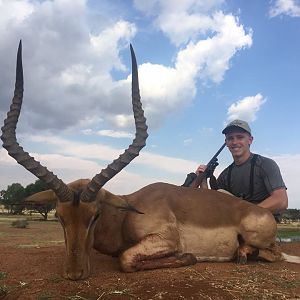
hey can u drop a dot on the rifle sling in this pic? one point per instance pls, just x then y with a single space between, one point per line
251 185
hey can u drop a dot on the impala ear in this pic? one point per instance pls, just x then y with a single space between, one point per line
116 201
44 197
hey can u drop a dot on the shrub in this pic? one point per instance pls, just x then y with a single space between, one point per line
22 223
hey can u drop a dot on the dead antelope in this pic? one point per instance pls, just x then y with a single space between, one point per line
177 226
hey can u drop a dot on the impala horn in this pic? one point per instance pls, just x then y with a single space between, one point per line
131 152
63 192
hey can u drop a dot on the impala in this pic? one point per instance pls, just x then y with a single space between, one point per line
159 226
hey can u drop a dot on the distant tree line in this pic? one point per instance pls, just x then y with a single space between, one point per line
13 199
291 214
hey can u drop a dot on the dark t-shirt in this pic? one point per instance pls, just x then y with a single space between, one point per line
267 178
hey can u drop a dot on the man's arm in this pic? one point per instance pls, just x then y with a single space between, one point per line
277 202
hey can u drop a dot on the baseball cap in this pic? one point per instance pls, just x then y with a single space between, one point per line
237 124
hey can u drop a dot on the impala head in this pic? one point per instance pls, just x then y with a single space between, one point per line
78 203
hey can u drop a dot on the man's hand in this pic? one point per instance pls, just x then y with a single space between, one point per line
201 169
208 169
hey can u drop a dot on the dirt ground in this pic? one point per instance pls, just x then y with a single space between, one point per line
31 259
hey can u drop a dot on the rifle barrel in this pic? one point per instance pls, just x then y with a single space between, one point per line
216 155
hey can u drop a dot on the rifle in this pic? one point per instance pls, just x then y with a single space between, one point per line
195 179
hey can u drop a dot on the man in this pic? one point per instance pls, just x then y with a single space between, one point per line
252 177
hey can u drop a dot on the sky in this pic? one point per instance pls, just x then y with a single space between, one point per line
201 63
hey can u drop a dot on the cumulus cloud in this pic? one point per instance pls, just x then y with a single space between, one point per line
69 169
68 64
73 160
81 161
246 108
107 153
164 89
181 20
288 164
285 7
114 134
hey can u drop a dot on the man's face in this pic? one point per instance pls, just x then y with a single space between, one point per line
238 142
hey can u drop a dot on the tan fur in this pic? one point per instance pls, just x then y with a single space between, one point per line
178 227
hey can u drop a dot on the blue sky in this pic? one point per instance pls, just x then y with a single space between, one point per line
201 64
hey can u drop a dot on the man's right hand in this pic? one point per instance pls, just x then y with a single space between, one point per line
201 169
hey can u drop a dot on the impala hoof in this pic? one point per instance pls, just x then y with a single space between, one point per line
188 258
242 260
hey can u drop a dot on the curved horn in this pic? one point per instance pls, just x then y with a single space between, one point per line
16 151
132 151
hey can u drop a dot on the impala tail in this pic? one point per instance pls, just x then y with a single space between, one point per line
291 258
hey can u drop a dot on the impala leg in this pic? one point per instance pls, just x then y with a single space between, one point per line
257 235
154 252
244 251
271 254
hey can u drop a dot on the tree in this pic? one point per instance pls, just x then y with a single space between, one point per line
13 198
291 214
36 187
42 209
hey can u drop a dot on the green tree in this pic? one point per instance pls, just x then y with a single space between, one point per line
13 198
292 214
42 209
36 187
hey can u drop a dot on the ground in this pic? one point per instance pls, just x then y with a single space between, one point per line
31 260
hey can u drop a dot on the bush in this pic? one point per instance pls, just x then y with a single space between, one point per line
23 223
3 290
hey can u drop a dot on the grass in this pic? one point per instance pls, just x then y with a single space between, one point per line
55 278
125 292
3 290
285 232
3 275
45 296
290 284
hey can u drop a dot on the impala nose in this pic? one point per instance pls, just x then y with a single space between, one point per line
75 275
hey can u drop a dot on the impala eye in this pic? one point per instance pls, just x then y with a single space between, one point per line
95 218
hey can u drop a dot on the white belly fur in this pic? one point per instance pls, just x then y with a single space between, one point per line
209 244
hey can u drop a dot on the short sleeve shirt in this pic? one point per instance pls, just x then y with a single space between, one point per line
266 179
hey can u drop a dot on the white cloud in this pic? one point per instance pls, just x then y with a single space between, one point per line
164 89
114 133
108 153
206 131
68 64
69 169
73 160
106 43
285 7
187 142
288 164
77 161
14 11
76 149
181 20
71 62
5 159
246 108
210 58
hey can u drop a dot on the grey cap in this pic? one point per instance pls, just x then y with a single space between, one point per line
237 124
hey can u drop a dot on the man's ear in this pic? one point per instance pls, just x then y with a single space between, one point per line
251 139
44 197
